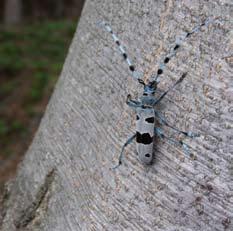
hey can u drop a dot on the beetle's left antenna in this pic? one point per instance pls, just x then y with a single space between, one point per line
136 74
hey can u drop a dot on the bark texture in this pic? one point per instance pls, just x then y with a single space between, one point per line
64 182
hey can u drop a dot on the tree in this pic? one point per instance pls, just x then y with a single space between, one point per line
64 181
13 12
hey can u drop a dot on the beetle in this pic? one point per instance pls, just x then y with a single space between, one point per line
146 114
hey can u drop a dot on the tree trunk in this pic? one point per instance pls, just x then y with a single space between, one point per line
58 8
64 182
13 12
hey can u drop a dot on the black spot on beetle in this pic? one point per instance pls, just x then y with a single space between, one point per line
166 60
118 43
176 46
160 71
125 55
188 34
147 155
144 138
137 117
150 120
131 67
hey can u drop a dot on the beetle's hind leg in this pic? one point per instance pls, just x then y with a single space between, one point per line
186 147
130 140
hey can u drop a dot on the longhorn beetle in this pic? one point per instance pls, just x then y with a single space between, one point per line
144 106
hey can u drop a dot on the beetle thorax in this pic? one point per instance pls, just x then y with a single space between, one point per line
148 95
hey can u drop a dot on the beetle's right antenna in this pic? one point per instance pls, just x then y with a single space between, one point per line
175 48
136 74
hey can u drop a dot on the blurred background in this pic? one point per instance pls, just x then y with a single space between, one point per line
34 38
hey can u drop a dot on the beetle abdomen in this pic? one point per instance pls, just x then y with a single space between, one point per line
144 134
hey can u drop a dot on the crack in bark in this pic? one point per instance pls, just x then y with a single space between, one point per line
3 202
29 214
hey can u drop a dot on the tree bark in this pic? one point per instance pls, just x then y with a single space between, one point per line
13 12
64 181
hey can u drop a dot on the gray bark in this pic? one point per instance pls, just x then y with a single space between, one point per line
13 12
64 181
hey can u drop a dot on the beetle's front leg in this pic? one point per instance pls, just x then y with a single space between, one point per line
133 103
163 121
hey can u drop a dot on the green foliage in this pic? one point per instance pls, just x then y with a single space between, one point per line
40 81
7 87
31 58
14 126
17 126
37 50
10 59
34 46
4 129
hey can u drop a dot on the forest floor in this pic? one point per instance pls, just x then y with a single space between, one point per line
31 60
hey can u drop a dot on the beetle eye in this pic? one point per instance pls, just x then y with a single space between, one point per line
153 84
